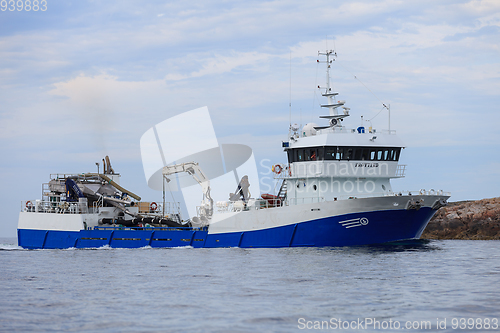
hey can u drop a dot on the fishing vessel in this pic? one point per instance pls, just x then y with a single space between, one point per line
335 190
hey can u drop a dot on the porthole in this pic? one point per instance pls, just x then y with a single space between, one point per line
383 187
314 187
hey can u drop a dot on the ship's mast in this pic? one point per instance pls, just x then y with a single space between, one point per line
328 90
332 105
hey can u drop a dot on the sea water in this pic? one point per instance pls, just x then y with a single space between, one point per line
416 286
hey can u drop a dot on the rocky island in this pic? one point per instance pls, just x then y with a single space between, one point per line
479 220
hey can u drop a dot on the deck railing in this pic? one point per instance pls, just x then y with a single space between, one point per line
61 207
298 201
400 170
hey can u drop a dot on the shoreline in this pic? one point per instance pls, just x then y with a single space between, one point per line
472 220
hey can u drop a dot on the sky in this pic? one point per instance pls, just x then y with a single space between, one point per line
86 79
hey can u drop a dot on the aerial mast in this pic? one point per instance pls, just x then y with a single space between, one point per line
332 105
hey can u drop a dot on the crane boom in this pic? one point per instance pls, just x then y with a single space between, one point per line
193 169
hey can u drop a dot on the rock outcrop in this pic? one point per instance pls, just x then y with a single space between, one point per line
466 220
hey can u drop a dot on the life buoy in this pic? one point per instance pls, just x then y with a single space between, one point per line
277 169
29 204
153 206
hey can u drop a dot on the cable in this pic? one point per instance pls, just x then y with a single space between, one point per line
172 194
316 84
377 113
363 84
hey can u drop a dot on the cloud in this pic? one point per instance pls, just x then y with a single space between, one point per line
481 32
222 63
481 7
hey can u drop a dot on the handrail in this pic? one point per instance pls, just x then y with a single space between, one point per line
56 207
254 204
305 200
393 194
400 170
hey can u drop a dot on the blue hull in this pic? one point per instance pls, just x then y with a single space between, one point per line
383 226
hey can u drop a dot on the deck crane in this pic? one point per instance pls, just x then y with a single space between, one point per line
193 169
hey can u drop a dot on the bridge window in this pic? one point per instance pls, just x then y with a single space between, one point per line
290 156
330 153
349 153
312 154
340 153
345 153
300 155
321 151
358 154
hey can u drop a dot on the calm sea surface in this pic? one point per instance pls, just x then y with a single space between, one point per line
252 290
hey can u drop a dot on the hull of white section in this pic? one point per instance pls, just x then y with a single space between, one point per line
53 221
259 219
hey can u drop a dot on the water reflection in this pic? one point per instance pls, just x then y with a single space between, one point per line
412 245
